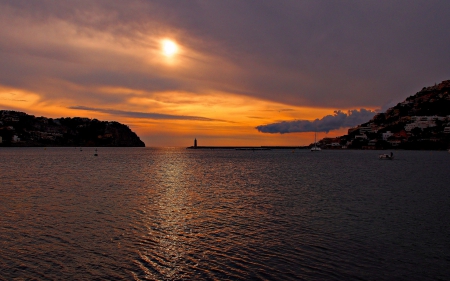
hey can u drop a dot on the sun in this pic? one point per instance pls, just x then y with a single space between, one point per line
169 48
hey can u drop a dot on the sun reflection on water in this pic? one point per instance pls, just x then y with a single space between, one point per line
168 230
176 214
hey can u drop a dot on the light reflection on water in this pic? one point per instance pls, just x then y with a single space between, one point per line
175 214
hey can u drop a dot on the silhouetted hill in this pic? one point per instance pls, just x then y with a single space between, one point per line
422 121
21 129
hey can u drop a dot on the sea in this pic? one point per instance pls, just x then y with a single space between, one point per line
180 214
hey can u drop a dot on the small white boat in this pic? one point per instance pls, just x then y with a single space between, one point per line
386 156
315 148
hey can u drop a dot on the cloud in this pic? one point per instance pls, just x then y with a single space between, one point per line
357 55
145 115
328 123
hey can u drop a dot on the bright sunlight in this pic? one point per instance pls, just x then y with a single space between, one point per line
169 48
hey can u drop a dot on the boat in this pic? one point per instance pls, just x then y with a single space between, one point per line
386 156
315 148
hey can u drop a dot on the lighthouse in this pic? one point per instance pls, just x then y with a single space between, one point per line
195 143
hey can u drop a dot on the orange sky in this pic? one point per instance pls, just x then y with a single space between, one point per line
174 73
233 117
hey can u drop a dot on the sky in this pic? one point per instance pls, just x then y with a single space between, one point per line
225 72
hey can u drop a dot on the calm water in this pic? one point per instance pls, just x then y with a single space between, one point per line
176 214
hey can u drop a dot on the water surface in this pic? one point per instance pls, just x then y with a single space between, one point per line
176 214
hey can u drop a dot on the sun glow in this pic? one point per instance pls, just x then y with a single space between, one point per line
169 48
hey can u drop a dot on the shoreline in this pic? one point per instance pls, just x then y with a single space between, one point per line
248 147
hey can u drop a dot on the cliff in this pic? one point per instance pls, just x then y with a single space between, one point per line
21 129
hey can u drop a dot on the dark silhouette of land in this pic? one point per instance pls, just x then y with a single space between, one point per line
21 129
421 121
248 147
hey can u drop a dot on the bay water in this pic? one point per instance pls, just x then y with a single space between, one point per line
177 214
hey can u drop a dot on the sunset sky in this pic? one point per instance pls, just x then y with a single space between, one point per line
225 72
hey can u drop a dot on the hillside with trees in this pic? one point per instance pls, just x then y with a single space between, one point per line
21 129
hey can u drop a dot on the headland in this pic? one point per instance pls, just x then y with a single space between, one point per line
23 130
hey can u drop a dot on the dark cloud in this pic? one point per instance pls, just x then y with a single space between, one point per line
145 115
328 123
307 53
15 100
280 110
322 53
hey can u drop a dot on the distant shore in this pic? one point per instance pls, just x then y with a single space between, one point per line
299 147
248 147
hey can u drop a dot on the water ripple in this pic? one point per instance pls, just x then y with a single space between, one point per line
171 214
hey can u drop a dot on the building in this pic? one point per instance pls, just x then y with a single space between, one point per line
11 119
421 122
428 118
374 128
365 129
1 140
363 136
387 135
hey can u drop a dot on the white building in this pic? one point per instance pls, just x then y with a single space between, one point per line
365 129
15 138
422 124
428 118
387 135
